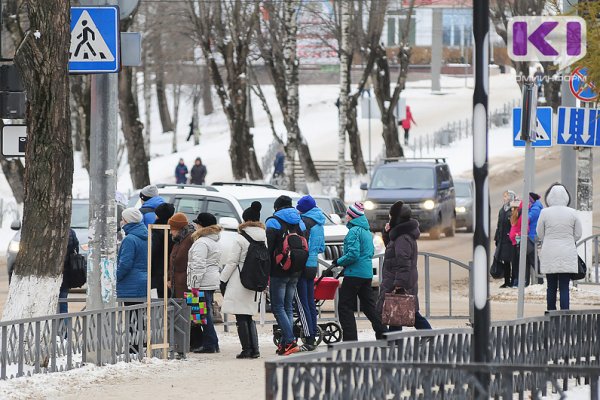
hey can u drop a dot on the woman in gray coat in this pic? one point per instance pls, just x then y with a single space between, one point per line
559 229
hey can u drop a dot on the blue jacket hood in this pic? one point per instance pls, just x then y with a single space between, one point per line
153 202
361 222
316 214
136 229
289 215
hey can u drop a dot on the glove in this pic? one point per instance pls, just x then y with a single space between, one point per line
334 262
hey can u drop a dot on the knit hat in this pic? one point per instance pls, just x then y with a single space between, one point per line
252 213
400 212
164 211
356 210
149 192
178 221
306 203
534 197
205 219
282 202
132 215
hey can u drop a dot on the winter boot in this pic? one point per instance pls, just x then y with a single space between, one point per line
245 340
195 338
253 339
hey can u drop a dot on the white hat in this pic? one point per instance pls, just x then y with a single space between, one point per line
132 215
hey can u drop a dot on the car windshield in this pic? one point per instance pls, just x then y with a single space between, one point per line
463 189
80 216
267 207
403 178
324 205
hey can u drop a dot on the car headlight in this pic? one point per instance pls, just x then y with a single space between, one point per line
85 247
428 205
378 244
461 210
13 246
369 205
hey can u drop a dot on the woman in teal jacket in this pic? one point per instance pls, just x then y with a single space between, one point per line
358 274
132 261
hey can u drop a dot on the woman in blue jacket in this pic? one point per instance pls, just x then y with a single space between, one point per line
358 274
132 262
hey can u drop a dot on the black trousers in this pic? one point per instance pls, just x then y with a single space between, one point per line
351 289
529 262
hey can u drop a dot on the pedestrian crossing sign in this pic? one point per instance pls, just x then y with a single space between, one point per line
543 128
94 40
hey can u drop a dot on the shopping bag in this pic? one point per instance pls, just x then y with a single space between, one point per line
399 308
497 269
196 300
581 270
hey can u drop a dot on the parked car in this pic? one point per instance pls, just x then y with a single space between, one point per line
424 184
465 200
332 206
79 222
227 201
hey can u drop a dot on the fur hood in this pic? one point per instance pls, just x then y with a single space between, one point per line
213 230
251 224
410 227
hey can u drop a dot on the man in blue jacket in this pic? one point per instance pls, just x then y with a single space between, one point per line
150 200
132 261
358 274
282 286
313 219
535 208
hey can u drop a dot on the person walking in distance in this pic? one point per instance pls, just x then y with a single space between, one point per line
559 229
72 247
150 200
181 172
198 174
406 124
283 226
237 300
535 208
203 272
400 262
515 239
163 213
313 219
358 275
504 247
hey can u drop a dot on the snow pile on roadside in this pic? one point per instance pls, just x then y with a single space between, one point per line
537 293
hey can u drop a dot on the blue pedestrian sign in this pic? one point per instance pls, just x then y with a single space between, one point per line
94 40
578 126
543 130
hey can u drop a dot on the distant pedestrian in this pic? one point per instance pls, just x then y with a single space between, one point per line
150 200
181 172
191 134
400 262
198 174
279 164
538 78
132 260
535 208
559 229
515 239
203 272
72 247
358 275
504 247
314 220
238 300
406 124
163 213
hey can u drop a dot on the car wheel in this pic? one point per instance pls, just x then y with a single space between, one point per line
435 233
449 232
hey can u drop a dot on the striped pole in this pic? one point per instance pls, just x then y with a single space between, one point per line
481 238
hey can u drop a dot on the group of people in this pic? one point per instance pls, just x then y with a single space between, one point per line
197 174
556 226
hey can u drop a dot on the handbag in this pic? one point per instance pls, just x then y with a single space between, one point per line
581 270
76 272
222 287
197 301
497 269
399 309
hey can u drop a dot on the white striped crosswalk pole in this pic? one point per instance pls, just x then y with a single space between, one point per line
481 238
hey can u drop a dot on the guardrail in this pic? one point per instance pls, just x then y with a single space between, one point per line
61 342
590 246
533 356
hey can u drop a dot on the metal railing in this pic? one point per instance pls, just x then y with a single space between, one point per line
590 256
533 356
62 342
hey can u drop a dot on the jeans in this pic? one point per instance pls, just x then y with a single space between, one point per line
63 308
420 323
560 282
350 289
306 293
209 334
282 291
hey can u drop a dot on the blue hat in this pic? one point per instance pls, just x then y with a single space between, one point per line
306 203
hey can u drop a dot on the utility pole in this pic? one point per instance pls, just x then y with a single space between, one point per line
481 237
568 155
585 191
102 258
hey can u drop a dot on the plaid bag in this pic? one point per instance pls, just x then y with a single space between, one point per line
197 301
399 309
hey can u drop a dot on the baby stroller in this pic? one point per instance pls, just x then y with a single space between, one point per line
328 332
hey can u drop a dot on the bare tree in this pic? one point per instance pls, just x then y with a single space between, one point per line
80 110
345 54
277 41
224 29
42 59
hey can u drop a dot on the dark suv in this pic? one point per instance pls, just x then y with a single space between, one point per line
424 184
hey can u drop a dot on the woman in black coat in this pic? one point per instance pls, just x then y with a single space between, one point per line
400 262
504 248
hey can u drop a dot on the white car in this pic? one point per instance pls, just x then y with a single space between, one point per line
227 202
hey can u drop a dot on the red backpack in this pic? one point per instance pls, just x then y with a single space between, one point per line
293 254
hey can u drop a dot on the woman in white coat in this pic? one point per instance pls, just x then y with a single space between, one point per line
559 229
238 300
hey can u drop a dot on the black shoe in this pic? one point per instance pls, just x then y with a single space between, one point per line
504 286
255 354
244 354
205 350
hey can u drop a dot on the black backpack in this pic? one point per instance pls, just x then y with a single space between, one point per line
254 275
76 271
292 253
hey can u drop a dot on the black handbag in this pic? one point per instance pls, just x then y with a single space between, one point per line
581 270
497 269
222 287
76 272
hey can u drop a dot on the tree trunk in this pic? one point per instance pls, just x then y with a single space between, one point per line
196 115
159 80
14 172
80 107
356 154
147 108
133 130
42 62
207 102
176 99
393 149
343 100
